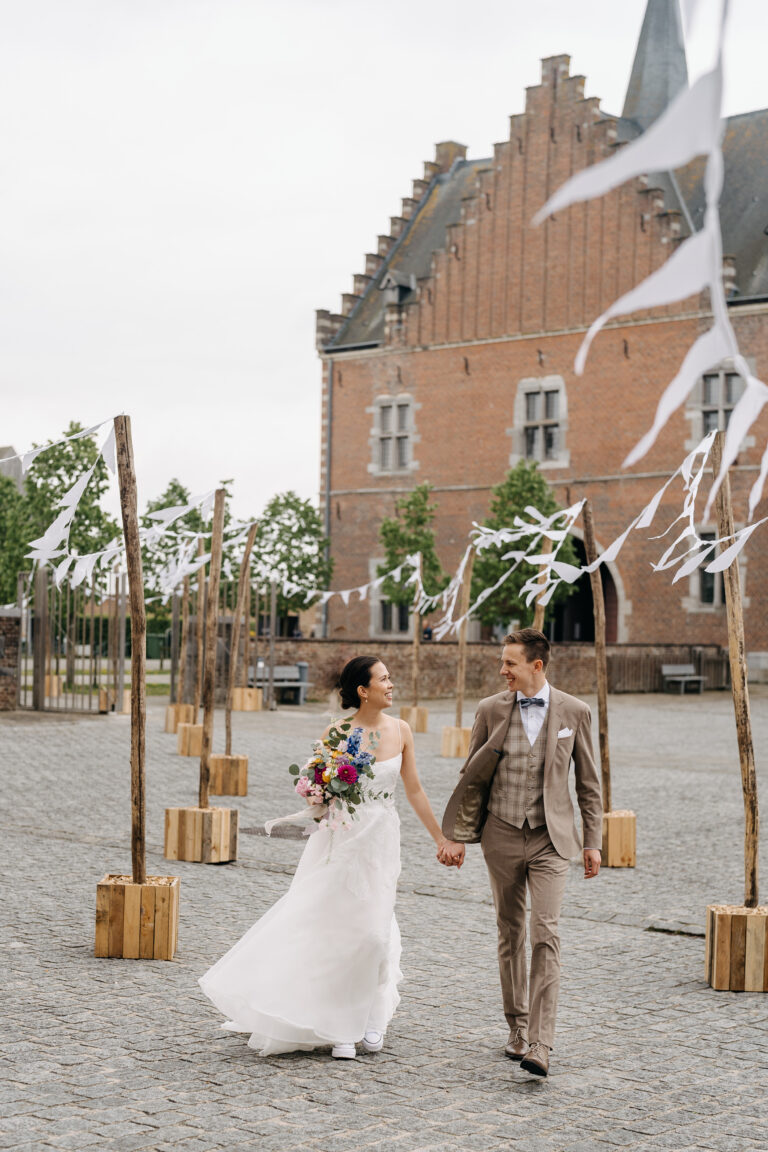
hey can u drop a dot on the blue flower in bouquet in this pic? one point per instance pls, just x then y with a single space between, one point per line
353 743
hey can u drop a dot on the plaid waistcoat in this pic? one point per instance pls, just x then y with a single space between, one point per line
517 792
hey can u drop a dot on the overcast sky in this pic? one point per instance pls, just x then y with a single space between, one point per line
184 182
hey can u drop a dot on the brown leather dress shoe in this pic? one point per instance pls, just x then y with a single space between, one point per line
536 1059
516 1047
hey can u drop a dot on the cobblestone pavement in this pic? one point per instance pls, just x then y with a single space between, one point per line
123 1054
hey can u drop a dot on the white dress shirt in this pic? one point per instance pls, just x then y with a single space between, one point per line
534 716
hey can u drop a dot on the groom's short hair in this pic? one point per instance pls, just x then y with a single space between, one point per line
534 644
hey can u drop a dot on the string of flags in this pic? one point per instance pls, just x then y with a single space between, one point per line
521 541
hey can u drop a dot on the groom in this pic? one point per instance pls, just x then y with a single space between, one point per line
513 797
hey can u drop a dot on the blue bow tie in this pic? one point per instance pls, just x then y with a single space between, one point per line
526 701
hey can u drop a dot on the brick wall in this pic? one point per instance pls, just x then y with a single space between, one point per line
572 668
10 626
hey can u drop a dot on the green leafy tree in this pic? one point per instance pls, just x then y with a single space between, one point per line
13 544
290 545
410 530
157 556
52 474
523 485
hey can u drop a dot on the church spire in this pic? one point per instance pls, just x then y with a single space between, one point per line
659 70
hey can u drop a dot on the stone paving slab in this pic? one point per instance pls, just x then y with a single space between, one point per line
121 1054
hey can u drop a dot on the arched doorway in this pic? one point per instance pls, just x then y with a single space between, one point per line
574 618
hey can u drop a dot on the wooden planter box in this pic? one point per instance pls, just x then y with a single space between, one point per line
247 700
619 839
176 714
54 685
416 717
229 775
105 700
137 921
456 742
737 948
189 739
202 835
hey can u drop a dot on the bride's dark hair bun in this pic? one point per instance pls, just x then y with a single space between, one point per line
356 674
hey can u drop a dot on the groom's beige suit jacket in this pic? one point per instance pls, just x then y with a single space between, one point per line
568 739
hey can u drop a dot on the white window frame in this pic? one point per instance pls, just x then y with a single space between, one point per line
696 407
396 434
539 386
693 603
377 599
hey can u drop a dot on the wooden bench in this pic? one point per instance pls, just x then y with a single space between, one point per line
290 681
681 674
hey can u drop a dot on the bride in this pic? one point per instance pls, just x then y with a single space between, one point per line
321 967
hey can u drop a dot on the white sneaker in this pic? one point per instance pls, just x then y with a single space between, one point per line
373 1041
344 1051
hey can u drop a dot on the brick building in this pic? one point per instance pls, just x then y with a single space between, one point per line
452 358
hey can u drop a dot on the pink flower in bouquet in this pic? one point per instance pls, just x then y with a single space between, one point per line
347 773
304 786
315 795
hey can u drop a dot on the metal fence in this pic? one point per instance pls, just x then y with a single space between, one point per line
72 645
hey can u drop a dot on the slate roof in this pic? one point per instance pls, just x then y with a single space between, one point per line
659 69
412 253
744 203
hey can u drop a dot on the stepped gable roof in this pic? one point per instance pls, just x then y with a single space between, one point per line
659 70
410 258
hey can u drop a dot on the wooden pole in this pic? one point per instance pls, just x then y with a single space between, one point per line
256 638
211 637
601 661
243 588
538 615
129 510
181 690
175 694
39 635
461 673
200 607
416 644
739 688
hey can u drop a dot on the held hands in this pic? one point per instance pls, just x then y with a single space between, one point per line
450 853
591 863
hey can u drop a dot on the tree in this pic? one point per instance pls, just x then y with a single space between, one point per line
52 474
523 485
13 544
157 556
290 545
410 530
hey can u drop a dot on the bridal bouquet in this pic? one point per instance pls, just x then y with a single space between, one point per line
334 774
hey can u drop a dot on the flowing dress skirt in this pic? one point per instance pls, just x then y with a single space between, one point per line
322 965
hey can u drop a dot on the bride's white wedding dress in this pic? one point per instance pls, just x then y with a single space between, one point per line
322 965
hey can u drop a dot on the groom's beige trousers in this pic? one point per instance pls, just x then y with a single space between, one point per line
518 858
